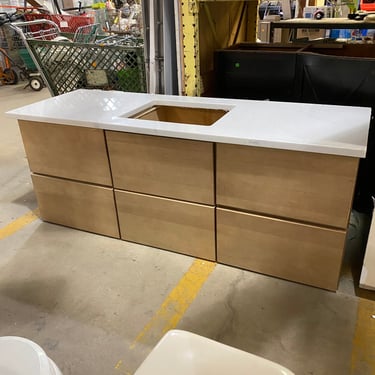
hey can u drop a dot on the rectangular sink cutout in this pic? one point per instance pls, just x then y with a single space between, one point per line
182 115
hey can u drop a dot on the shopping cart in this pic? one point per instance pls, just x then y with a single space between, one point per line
67 23
67 65
18 54
86 33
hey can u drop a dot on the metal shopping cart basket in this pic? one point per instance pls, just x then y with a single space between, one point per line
67 65
13 43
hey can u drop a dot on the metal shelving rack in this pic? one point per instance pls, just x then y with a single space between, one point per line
181 37
293 25
207 25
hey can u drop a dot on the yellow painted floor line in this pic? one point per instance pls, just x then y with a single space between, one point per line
363 350
177 302
18 224
174 306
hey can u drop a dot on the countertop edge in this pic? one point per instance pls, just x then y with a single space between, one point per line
338 149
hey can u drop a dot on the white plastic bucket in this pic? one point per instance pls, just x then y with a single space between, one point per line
20 356
185 353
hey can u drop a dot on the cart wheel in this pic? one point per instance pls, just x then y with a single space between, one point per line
10 77
36 84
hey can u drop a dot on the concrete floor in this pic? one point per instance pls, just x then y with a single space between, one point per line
99 305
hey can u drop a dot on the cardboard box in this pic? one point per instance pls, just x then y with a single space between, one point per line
311 34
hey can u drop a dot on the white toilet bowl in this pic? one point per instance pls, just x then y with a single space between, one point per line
20 356
184 353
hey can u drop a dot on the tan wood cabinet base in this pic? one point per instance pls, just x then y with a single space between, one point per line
167 167
77 205
72 152
293 251
295 185
279 212
183 227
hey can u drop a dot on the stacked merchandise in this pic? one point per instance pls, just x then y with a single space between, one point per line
71 51
111 63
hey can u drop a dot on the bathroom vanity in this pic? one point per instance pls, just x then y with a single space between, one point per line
264 186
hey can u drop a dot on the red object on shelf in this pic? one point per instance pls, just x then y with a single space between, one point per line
19 7
66 23
368 5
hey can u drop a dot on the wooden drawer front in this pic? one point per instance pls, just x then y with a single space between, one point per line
186 228
310 187
298 252
167 167
77 205
72 152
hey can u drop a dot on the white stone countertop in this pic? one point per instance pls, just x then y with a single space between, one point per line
328 129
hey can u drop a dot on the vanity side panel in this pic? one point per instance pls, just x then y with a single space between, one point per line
183 227
304 253
311 187
72 152
77 205
167 167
